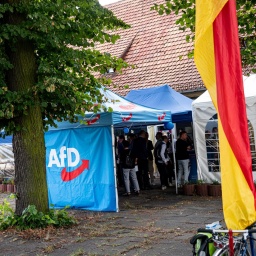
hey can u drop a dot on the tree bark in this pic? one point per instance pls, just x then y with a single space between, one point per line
28 143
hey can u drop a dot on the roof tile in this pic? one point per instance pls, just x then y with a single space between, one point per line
155 50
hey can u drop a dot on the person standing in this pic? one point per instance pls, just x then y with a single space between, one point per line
163 161
141 158
120 148
182 155
158 141
150 147
214 133
129 170
171 168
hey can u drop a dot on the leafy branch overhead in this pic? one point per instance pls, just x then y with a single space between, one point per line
62 34
246 13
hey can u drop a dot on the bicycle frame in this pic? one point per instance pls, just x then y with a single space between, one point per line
222 242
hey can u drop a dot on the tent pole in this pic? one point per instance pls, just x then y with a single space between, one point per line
174 162
114 164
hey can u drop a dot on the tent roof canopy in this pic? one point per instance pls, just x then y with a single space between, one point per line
204 114
204 101
124 113
164 97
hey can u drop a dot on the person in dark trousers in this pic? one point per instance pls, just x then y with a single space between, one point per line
182 154
129 172
141 158
171 169
150 147
120 148
158 142
163 161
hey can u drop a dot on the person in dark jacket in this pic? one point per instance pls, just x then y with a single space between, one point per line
129 170
182 155
150 147
120 148
162 162
141 158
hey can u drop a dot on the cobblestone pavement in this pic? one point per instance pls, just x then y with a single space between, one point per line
155 223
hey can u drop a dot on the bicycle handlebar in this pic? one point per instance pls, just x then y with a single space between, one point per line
212 231
204 230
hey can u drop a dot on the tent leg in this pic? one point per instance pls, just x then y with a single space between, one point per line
114 164
174 162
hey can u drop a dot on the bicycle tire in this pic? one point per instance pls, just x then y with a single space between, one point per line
225 251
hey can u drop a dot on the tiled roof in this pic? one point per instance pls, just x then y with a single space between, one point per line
155 50
154 45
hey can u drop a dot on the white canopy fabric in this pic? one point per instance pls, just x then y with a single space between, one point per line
6 160
203 110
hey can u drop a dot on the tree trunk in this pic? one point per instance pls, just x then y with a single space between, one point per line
28 143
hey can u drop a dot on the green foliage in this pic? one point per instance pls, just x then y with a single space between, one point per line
246 13
190 183
63 34
6 215
200 182
215 182
31 218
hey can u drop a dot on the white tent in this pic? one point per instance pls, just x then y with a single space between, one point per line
203 113
6 157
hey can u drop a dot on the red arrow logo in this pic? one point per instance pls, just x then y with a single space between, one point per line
160 118
68 176
94 120
127 118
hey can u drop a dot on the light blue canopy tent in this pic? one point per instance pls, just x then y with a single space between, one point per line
124 113
80 157
164 97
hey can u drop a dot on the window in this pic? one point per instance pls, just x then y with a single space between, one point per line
212 144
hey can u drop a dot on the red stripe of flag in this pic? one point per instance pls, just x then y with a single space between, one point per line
230 94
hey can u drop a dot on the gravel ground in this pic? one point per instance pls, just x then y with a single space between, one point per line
155 223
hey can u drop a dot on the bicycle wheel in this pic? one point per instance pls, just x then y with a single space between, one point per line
237 251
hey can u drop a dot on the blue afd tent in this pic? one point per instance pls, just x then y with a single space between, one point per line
123 113
164 97
80 157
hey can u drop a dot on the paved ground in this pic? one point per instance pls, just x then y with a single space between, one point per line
155 223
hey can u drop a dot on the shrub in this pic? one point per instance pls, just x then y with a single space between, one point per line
31 218
215 182
199 182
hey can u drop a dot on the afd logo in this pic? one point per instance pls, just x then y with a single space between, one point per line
73 159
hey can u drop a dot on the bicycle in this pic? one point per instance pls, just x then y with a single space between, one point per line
222 238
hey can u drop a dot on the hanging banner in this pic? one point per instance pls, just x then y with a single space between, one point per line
218 60
80 169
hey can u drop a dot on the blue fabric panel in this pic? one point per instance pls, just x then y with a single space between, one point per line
141 118
94 188
7 139
164 97
182 117
92 119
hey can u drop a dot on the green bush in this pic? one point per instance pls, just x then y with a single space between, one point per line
6 215
31 218
215 182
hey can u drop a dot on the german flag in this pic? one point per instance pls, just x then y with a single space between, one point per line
217 57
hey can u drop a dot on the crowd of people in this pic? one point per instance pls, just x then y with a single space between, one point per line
136 154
